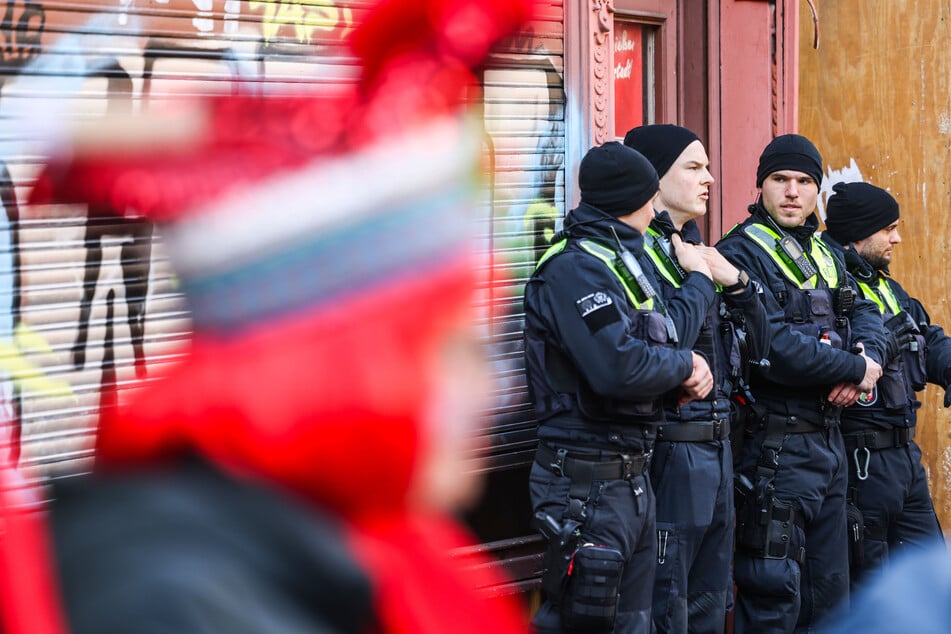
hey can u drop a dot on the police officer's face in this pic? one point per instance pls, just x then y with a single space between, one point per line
877 248
685 187
790 197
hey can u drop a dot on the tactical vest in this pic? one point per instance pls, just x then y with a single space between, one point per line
563 388
903 375
809 303
718 340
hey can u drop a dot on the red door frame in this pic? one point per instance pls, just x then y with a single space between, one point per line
747 87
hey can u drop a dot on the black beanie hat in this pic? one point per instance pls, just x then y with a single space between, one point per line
661 143
857 210
790 152
616 179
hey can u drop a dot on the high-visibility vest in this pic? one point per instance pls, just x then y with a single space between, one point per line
821 255
882 295
607 256
662 260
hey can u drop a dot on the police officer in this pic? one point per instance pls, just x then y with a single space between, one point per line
887 481
791 565
599 357
729 326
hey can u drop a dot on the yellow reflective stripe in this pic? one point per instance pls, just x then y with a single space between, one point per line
884 292
824 259
766 238
651 246
889 295
871 295
607 256
552 251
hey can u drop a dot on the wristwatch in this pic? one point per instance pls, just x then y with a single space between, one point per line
742 281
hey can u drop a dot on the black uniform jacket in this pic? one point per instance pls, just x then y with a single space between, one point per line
802 369
578 313
701 326
936 352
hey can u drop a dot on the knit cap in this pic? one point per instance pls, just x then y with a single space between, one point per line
616 179
790 152
857 210
661 143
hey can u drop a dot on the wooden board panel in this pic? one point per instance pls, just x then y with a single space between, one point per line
875 99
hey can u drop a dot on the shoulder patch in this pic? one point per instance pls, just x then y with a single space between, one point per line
597 310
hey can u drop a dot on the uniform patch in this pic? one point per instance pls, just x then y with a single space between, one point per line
598 310
867 399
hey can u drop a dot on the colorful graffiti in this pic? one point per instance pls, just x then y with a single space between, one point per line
302 21
307 18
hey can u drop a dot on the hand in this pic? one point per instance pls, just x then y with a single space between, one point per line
900 333
844 394
947 396
689 257
724 273
872 372
699 383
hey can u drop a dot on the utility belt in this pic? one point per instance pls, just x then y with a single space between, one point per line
590 466
861 445
875 439
791 424
701 431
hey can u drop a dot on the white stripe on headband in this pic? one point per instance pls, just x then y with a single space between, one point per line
328 195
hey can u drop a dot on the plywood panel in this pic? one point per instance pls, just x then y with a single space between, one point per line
875 99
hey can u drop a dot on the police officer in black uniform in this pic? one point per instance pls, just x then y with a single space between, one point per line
600 355
887 481
729 326
791 564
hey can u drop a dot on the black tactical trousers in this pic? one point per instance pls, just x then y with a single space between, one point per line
895 503
782 595
693 484
619 514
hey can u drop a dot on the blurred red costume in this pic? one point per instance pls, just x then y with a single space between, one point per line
319 402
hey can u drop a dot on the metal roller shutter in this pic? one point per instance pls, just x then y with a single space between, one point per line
524 109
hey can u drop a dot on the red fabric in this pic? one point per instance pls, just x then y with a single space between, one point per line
419 590
326 403
28 597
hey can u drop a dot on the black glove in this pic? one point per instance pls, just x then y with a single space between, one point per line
947 396
901 331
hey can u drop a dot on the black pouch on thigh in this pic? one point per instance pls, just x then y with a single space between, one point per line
589 603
